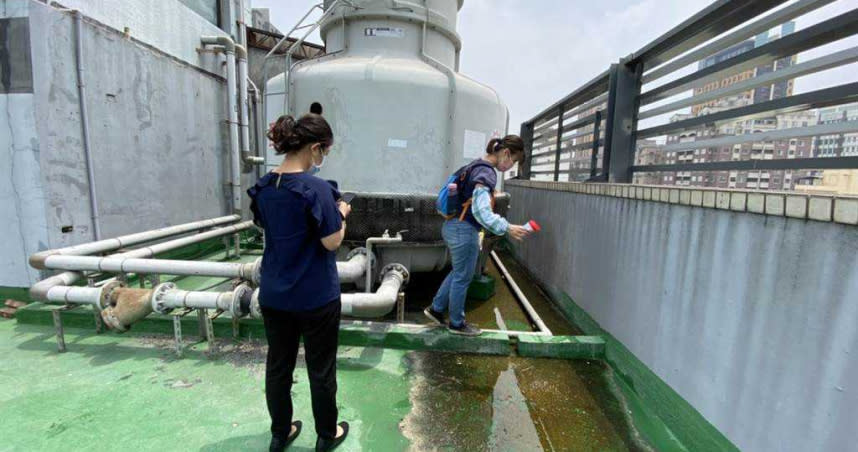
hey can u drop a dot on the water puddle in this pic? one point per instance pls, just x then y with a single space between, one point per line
470 402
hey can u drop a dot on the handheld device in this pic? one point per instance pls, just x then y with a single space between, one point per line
348 197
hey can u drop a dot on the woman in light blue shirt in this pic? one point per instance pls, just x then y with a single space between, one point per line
462 233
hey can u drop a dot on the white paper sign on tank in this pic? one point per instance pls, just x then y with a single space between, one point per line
402 115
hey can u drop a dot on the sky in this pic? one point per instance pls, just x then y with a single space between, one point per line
534 52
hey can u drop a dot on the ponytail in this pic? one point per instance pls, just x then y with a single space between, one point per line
289 135
512 142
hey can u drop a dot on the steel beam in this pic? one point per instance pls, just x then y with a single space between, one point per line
621 121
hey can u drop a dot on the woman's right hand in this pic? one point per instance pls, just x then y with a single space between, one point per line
345 209
517 232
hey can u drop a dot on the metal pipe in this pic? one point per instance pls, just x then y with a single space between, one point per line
37 260
230 48
166 297
84 126
259 158
376 304
355 267
74 294
152 266
386 238
520 295
244 120
39 291
367 305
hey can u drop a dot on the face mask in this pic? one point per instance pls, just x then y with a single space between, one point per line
503 167
316 167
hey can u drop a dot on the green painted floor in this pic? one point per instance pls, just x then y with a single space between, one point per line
111 392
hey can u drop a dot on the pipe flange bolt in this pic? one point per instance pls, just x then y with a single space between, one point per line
241 296
397 268
105 293
158 295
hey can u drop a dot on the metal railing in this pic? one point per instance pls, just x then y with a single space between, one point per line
592 134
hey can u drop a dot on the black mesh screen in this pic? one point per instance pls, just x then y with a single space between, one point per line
372 213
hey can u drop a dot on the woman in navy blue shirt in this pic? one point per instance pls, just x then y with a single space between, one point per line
299 291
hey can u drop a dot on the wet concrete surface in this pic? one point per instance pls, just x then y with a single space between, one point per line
468 402
421 290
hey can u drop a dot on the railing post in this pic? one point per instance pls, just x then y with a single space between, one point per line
594 157
527 137
557 146
624 87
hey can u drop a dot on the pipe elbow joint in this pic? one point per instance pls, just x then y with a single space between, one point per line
225 41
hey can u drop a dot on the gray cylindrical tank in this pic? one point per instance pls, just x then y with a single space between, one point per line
403 117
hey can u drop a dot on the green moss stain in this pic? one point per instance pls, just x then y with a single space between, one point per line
569 404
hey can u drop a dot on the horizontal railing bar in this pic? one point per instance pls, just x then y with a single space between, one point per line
780 134
587 120
841 94
588 133
602 98
841 58
541 128
748 31
589 90
713 20
756 164
822 33
573 147
553 141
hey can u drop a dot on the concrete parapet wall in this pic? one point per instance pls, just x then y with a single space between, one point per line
746 310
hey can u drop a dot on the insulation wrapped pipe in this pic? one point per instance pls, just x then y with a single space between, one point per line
37 260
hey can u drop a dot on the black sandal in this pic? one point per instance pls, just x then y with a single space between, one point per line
278 444
324 445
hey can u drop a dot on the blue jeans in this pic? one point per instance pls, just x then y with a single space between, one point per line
464 242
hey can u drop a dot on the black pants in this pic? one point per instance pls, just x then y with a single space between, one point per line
319 328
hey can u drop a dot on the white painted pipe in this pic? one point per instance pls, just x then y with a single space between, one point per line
74 294
353 269
84 126
198 300
39 291
520 295
230 48
377 304
152 266
101 246
360 304
386 238
244 124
